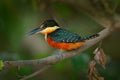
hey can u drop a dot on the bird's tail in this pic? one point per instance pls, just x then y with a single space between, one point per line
91 37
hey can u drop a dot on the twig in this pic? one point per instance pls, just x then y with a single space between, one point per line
36 73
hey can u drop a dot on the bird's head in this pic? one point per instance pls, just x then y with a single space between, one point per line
46 27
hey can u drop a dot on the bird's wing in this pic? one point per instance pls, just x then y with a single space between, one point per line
63 35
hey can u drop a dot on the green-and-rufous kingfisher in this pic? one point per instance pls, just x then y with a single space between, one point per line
60 38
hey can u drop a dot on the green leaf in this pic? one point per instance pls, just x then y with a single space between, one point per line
1 64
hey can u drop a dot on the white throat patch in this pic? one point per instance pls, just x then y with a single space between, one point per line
45 37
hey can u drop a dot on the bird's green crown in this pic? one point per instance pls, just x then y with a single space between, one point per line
49 23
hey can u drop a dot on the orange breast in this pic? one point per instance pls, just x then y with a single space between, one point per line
64 46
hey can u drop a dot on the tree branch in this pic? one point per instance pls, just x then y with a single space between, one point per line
35 73
57 58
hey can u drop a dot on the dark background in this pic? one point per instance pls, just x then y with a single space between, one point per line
17 17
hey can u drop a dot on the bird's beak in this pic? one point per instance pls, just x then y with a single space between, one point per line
35 31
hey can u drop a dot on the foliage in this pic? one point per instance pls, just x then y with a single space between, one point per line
1 64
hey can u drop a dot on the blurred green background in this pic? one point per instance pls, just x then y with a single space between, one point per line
17 17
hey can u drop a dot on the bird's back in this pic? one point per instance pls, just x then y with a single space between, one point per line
63 35
64 40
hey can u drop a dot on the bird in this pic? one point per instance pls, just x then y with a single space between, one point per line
59 37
